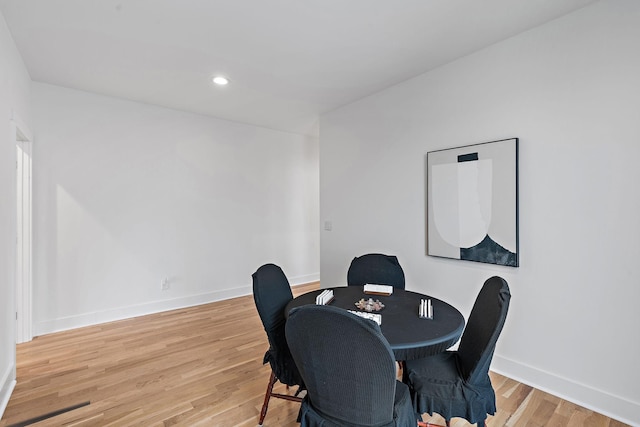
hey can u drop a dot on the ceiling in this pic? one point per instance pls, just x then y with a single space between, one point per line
288 60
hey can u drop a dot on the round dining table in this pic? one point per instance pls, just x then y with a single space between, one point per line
409 335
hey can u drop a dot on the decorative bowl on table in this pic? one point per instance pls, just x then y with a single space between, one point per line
369 305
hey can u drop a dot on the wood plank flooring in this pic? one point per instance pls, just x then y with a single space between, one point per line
199 366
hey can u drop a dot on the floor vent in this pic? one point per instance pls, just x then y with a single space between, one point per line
49 415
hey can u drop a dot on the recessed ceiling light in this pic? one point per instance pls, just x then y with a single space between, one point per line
219 80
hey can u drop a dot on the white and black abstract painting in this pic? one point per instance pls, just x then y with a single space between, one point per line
472 203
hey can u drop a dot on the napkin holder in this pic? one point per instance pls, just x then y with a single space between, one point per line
425 310
371 316
325 297
384 290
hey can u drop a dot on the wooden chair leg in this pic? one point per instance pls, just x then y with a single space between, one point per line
267 395
427 424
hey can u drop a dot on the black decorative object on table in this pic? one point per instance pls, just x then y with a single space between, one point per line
369 305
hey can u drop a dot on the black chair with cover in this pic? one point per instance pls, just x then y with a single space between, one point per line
349 371
456 383
378 269
271 293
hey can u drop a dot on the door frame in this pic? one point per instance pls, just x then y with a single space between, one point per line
24 226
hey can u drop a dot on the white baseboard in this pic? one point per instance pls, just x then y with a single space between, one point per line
307 278
7 384
616 407
96 317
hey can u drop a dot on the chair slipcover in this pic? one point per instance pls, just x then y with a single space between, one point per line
456 383
349 371
271 293
377 269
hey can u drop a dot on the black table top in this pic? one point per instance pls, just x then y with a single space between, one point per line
410 336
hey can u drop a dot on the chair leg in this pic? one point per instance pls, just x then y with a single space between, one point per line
267 395
423 424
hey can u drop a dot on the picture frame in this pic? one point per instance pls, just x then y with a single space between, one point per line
472 203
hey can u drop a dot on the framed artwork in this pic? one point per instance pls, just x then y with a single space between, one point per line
472 203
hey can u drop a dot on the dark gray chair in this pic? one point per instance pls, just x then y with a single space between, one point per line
376 269
456 383
349 371
271 293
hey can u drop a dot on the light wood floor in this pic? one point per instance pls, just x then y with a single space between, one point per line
199 366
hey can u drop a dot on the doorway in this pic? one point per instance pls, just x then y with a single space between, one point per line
23 141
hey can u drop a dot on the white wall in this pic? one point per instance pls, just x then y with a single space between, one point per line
127 194
14 102
570 90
